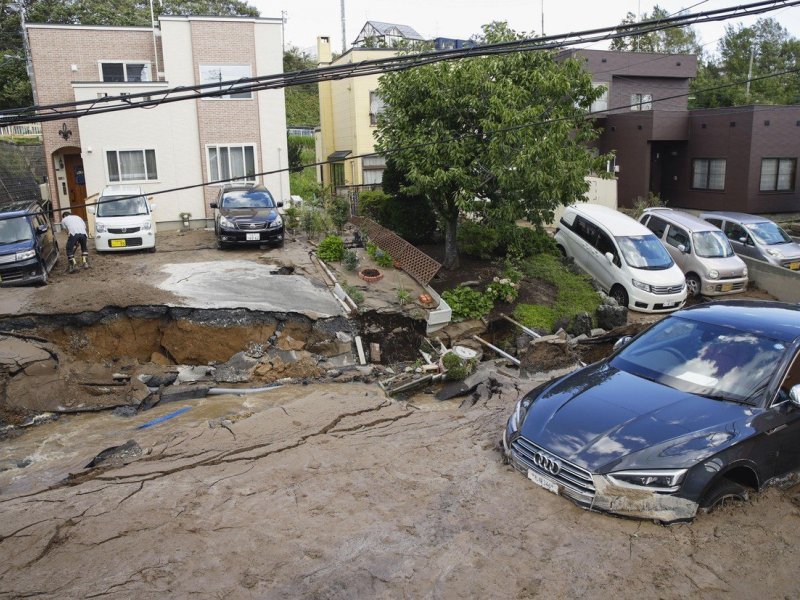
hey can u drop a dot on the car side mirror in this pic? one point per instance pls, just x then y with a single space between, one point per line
682 248
90 210
42 229
280 204
794 395
625 340
214 205
610 257
743 240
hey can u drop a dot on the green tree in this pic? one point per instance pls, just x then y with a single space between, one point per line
15 90
675 40
302 101
509 129
772 49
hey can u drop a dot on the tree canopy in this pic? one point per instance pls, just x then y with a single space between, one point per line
15 90
773 51
676 40
507 129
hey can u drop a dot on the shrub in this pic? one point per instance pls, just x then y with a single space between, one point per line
467 303
502 290
338 208
403 296
526 242
383 259
354 293
371 249
457 368
477 239
331 248
350 260
371 204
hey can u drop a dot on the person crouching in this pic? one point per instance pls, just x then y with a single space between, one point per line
77 235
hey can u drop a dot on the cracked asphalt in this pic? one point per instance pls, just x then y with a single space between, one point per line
335 491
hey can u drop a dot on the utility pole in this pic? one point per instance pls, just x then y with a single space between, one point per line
639 19
155 45
26 46
749 74
344 29
542 18
283 29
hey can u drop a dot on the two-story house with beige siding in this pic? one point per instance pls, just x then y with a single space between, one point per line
174 145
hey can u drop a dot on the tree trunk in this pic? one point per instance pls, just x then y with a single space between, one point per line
450 244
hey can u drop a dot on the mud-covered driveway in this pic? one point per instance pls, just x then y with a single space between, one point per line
336 491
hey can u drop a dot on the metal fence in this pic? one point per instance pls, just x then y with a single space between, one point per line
29 129
17 183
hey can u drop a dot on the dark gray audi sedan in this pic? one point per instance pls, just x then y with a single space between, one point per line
698 409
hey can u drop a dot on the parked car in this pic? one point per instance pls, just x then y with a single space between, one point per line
247 214
28 247
700 249
623 256
757 237
123 220
696 410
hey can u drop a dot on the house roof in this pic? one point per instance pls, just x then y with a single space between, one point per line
386 29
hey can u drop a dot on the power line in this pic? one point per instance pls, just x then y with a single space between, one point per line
152 99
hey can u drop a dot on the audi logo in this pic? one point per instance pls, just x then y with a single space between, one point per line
546 463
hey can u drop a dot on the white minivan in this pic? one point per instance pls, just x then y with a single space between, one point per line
623 256
123 220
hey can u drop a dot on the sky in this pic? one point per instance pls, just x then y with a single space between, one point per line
307 19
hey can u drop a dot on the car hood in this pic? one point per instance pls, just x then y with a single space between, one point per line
789 250
126 221
249 214
604 419
730 266
7 249
660 277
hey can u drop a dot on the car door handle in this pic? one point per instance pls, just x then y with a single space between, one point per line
776 429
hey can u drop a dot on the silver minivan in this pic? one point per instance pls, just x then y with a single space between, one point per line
757 237
701 251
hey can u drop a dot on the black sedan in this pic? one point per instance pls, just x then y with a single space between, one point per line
248 215
700 408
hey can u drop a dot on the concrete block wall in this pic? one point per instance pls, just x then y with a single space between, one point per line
777 281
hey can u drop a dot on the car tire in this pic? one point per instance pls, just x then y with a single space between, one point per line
45 278
221 245
151 250
724 490
562 250
693 285
619 294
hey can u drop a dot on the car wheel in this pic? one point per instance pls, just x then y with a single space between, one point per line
151 250
221 245
721 493
619 294
562 250
693 284
44 279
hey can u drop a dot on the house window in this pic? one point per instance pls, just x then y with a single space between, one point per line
338 173
225 73
131 165
601 104
641 102
376 107
125 71
778 174
372 169
231 162
708 173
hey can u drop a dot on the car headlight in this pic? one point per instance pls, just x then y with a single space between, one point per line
642 286
668 480
147 226
25 255
277 222
713 274
775 253
100 227
223 222
744 272
520 411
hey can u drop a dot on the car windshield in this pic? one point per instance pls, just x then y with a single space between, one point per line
644 252
768 233
711 244
247 199
718 362
15 230
121 206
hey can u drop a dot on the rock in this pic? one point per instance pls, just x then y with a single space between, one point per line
176 393
561 324
237 370
596 332
14 463
344 337
609 301
609 317
124 411
333 373
561 334
116 455
366 371
581 324
287 342
190 374
160 359
160 379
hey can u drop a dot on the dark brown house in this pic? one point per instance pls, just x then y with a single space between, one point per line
741 159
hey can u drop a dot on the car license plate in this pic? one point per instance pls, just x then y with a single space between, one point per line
726 287
550 486
117 243
794 266
253 236
667 304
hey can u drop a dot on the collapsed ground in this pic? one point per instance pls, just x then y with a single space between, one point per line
328 489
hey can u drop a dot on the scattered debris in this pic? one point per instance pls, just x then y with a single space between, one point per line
116 456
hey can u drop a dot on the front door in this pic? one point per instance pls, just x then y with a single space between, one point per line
76 184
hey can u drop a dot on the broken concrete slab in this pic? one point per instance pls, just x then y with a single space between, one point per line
190 374
176 393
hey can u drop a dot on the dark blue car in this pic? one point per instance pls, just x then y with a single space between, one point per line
28 248
700 408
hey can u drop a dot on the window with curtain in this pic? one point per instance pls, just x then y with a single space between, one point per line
131 165
232 162
376 107
372 169
225 73
778 174
708 173
601 104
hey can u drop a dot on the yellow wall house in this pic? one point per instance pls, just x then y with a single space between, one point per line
348 111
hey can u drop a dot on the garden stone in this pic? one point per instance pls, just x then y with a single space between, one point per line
598 331
581 324
609 317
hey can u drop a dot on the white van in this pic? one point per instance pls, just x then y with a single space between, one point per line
623 256
123 220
